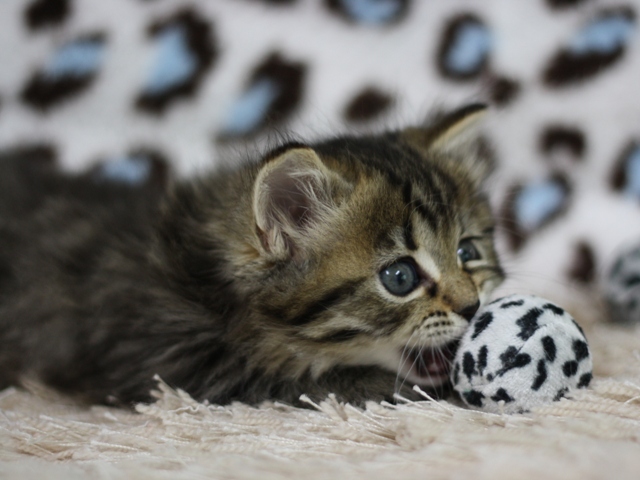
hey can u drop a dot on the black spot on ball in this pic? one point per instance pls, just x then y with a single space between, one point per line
502 395
481 324
553 308
542 376
508 355
561 394
528 323
581 350
473 397
570 368
468 365
549 347
482 358
585 380
515 303
511 359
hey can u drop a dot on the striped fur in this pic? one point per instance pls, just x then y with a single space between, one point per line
252 284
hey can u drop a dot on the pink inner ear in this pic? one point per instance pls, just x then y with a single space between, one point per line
288 196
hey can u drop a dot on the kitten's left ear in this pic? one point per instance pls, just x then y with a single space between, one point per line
293 201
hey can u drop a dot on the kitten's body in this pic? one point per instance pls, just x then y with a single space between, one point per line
258 283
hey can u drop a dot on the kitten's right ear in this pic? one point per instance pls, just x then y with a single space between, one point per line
458 130
456 135
292 197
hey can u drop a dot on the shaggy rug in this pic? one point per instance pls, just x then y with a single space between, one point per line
131 88
595 434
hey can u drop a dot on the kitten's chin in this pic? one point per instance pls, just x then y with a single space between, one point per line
428 366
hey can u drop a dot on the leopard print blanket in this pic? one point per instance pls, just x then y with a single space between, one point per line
136 87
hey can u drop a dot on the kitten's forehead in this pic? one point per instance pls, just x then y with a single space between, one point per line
404 200
423 177
388 154
397 155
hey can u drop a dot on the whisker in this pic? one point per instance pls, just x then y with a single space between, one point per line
405 357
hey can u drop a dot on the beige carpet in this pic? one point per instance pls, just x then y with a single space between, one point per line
594 435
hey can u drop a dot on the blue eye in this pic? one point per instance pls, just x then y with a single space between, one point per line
400 278
467 251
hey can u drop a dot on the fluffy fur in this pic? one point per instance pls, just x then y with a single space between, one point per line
260 282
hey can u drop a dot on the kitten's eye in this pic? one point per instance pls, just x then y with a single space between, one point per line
467 251
400 278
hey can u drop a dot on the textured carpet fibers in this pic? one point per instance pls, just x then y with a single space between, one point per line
595 434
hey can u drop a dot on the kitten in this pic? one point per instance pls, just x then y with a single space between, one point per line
348 266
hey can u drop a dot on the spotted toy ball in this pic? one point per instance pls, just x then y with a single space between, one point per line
520 352
622 288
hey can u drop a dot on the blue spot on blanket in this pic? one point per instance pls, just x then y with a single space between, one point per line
174 63
469 49
372 12
632 173
76 59
250 110
537 202
130 170
604 35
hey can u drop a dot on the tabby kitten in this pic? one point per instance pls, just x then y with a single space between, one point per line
348 266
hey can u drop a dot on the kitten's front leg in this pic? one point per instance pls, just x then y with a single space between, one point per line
357 385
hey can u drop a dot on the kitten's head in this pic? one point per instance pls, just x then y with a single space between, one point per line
377 250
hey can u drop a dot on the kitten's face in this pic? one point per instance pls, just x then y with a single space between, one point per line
387 254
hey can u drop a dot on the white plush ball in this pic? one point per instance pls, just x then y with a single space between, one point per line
519 352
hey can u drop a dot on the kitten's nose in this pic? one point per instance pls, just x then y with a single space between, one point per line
469 311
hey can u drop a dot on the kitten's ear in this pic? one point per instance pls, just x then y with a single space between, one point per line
458 130
456 134
292 200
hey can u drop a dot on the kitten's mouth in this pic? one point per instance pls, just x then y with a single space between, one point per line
429 366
